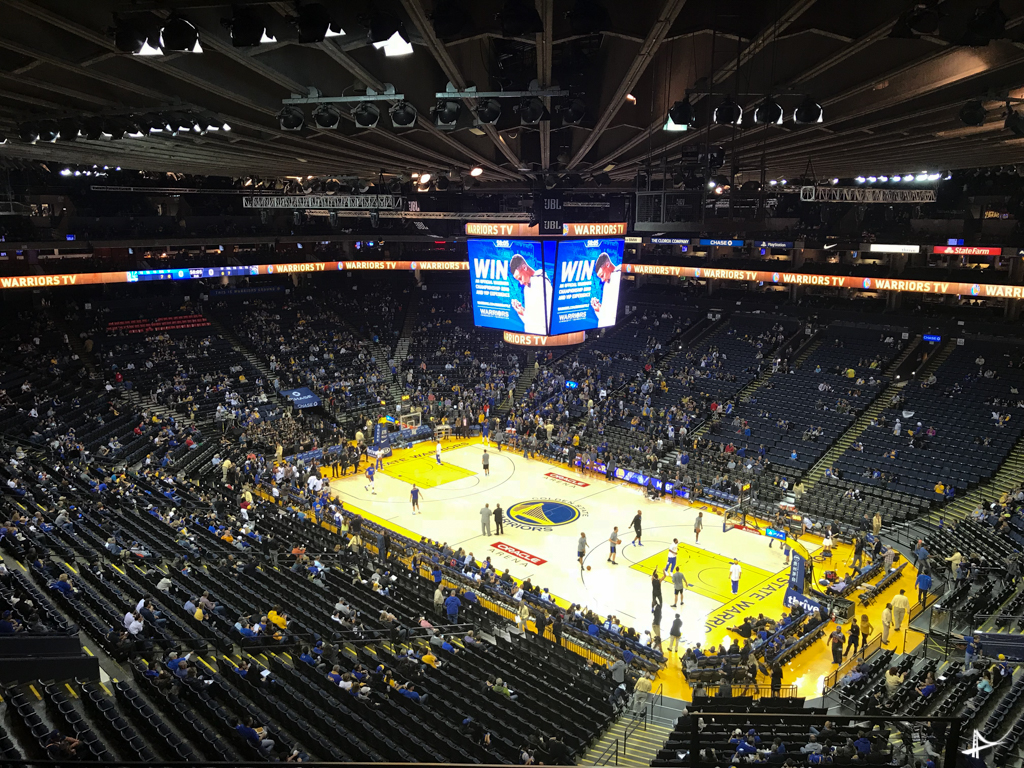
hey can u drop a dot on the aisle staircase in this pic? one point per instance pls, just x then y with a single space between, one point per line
526 377
629 742
864 420
1007 477
252 359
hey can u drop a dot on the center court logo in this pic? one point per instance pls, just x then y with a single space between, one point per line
541 514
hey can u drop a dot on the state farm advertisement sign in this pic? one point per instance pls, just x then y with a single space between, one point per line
966 250
517 553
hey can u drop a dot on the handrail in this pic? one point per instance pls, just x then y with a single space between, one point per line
631 728
659 695
615 754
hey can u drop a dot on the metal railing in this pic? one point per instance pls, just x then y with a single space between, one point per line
610 753
832 678
638 719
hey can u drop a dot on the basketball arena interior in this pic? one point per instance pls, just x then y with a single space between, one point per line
562 382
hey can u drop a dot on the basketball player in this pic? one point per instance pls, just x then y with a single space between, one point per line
437 451
698 526
414 496
637 529
606 286
370 472
379 461
613 542
581 548
535 307
679 585
487 463
673 551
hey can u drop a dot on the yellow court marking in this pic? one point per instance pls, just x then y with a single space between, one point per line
425 472
708 572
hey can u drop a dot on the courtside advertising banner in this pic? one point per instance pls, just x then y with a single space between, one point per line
511 284
587 277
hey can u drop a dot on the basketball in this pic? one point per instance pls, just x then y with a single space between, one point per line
588 567
618 541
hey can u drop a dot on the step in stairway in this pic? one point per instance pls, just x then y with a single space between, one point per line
1006 478
864 420
635 751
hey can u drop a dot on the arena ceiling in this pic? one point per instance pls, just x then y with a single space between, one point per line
890 75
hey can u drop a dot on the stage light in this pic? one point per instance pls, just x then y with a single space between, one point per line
446 114
680 117
860 179
65 172
425 178
327 116
783 182
1014 121
574 113
768 112
934 176
921 177
403 115
773 182
711 185
872 179
808 113
488 111
835 181
366 114
314 24
476 171
69 128
396 45
728 113
180 35
532 111
247 29
442 182
131 36
973 113
519 19
883 178
291 119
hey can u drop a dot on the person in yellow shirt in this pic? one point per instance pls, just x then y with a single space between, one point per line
429 659
576 441
277 617
199 615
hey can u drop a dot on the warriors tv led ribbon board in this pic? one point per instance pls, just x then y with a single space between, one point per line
511 284
587 278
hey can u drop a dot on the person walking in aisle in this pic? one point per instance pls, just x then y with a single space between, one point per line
637 528
499 519
854 639
485 519
675 632
835 641
735 571
900 606
924 583
613 543
581 548
886 623
487 463
414 496
698 526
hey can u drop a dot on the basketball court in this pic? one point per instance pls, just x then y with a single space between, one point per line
546 508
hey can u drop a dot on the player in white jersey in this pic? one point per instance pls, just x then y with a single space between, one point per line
437 451
537 294
607 306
